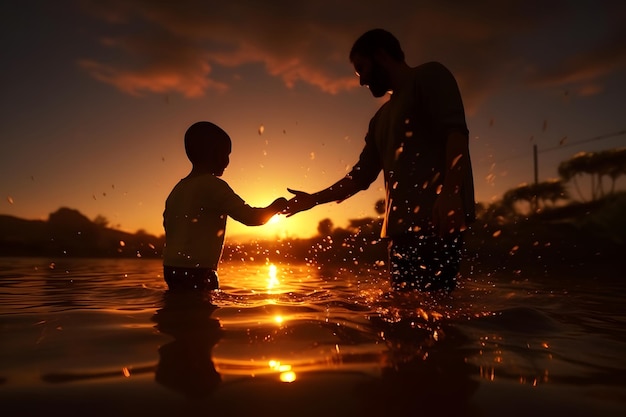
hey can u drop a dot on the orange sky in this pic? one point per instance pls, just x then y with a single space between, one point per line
98 96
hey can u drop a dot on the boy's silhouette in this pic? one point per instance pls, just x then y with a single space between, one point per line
196 210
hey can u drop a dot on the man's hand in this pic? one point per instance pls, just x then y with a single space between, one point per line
300 202
448 214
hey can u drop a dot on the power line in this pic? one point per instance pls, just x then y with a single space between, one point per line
600 137
593 139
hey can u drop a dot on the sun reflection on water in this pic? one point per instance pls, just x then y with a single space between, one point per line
272 282
285 372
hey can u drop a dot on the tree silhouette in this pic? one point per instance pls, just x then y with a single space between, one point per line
610 163
615 163
101 221
537 195
325 227
380 207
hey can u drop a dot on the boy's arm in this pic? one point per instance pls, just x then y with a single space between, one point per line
256 216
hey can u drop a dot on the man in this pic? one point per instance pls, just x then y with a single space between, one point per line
419 139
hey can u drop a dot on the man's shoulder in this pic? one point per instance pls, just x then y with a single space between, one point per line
430 67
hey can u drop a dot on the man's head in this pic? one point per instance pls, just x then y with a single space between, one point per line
371 54
208 146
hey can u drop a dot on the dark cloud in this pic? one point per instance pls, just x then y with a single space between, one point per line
159 66
586 69
173 46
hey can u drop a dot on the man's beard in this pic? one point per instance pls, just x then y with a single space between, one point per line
380 81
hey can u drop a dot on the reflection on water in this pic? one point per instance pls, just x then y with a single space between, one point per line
424 371
185 364
334 339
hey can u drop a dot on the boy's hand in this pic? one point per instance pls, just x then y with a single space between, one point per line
300 202
280 204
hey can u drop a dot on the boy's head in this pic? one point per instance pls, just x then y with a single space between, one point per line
208 146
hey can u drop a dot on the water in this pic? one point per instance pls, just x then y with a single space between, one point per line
103 337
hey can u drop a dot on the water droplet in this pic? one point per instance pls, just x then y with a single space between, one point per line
456 160
399 151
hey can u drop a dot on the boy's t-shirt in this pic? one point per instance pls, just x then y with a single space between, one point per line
195 221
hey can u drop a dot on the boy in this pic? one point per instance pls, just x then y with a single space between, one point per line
196 209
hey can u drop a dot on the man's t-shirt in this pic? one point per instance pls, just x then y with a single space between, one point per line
407 140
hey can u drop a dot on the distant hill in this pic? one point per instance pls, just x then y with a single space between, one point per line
67 232
592 232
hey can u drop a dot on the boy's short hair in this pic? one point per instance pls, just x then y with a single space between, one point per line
371 41
205 140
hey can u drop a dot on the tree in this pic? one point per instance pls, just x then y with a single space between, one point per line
615 162
536 195
611 163
325 227
101 221
380 207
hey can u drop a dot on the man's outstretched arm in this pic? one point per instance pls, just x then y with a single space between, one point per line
339 191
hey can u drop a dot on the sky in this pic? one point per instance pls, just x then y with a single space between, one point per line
96 97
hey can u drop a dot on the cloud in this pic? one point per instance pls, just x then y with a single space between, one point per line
173 46
584 69
178 46
158 67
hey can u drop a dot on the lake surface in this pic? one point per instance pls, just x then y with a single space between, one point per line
103 337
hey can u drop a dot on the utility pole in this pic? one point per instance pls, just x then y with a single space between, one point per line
535 162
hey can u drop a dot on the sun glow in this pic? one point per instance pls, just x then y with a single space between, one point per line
286 374
275 219
272 282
